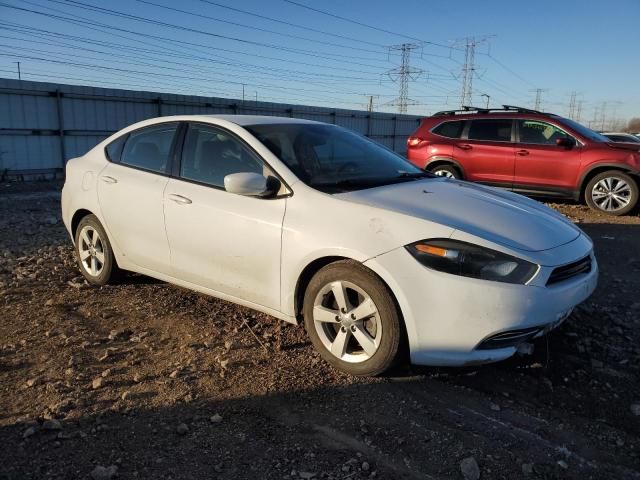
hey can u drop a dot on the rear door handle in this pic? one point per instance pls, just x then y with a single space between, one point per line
522 153
464 146
108 179
174 197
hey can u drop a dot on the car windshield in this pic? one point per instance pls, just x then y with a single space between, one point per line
333 159
584 131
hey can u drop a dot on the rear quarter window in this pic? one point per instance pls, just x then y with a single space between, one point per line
449 129
114 149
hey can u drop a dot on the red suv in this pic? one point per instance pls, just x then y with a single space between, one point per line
530 152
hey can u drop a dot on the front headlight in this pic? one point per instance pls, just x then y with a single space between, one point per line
467 260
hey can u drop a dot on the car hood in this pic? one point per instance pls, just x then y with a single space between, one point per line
494 215
633 146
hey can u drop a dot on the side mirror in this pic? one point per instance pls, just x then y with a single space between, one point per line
245 183
251 184
566 142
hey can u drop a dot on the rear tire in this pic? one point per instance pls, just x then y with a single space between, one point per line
357 329
612 193
94 254
448 171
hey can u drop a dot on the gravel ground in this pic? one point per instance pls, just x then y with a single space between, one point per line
146 380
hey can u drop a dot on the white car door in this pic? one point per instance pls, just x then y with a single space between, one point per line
130 192
222 241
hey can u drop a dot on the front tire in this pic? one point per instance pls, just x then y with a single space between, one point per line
351 319
94 253
612 192
448 171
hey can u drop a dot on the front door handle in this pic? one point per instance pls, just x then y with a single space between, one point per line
464 146
522 153
174 197
108 179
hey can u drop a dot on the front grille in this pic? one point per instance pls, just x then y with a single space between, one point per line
571 270
511 338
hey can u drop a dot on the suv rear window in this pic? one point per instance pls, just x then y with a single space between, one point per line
449 129
490 129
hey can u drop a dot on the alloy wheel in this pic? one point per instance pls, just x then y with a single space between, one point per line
611 194
443 173
91 251
347 321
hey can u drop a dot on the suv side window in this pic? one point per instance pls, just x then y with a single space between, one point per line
149 148
449 129
210 154
539 133
493 130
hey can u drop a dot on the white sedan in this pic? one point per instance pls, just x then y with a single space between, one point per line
310 222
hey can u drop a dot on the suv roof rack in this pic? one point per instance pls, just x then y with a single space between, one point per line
469 109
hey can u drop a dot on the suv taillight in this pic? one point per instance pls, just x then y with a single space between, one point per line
416 141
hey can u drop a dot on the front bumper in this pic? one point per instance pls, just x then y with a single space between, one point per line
448 317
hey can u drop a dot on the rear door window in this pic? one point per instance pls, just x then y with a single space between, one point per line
491 130
150 148
449 129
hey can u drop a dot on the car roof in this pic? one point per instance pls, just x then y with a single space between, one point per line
507 111
497 114
245 120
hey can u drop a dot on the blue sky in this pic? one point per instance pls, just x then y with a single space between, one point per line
588 47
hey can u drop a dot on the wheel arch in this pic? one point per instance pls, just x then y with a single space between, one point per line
77 218
313 267
598 168
437 161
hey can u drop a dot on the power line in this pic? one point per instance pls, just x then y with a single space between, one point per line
277 73
515 74
178 27
283 22
183 44
356 22
118 13
297 37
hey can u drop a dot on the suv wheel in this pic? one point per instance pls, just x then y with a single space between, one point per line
351 319
612 192
448 171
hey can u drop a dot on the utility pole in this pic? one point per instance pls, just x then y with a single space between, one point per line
403 74
19 74
370 105
539 92
243 93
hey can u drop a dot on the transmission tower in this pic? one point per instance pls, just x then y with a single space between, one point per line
572 105
579 110
538 102
403 74
469 68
